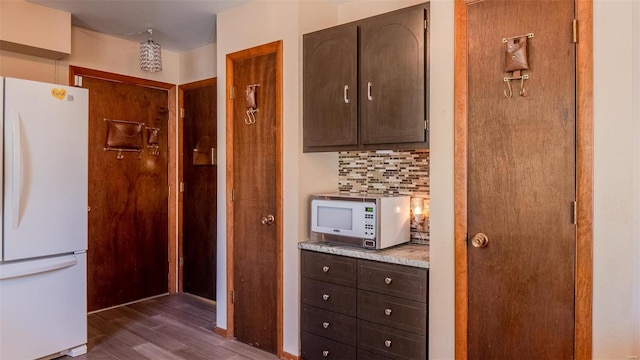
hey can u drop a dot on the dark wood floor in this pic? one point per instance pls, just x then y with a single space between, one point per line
172 327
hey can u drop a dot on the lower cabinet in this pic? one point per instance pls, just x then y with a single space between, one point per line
317 347
376 311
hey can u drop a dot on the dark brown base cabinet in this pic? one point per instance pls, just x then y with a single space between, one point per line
362 309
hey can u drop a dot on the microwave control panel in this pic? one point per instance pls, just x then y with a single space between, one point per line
369 221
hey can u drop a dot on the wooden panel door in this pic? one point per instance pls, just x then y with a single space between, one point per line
521 184
128 246
199 201
255 241
392 77
331 87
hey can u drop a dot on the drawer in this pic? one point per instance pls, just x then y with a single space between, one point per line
390 342
328 324
392 311
391 279
337 298
316 347
366 355
330 268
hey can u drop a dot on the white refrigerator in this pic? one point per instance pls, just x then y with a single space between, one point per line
43 292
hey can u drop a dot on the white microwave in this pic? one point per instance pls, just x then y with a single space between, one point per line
368 221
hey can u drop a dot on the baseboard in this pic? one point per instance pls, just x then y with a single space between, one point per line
220 331
287 356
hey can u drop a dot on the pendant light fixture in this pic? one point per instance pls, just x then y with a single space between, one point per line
150 55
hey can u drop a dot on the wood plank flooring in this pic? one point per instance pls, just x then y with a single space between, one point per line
171 327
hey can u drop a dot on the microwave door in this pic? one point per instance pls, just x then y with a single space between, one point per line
335 217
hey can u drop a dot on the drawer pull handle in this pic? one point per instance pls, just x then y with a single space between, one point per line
387 343
387 312
325 297
325 269
325 325
388 280
325 353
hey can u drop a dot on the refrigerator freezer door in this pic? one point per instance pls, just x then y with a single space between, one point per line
45 169
43 306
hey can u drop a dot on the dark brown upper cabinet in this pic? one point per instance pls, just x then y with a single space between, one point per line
331 87
365 84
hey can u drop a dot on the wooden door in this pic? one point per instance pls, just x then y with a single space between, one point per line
521 184
392 77
128 247
331 87
200 182
255 198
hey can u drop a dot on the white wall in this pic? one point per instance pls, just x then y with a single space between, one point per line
360 9
91 50
441 272
265 21
616 165
108 53
198 64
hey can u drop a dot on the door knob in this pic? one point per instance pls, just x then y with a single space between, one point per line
480 240
268 220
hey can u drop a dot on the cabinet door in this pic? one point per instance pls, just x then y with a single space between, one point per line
392 77
330 87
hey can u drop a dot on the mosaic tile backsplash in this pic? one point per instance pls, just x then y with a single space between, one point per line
404 172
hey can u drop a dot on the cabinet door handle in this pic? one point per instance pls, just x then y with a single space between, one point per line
388 280
325 297
387 343
387 312
346 94
325 325
325 353
369 86
325 269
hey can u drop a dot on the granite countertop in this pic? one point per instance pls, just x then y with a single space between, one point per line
403 254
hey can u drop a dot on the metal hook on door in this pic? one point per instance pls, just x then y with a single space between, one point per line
509 92
251 104
251 117
522 90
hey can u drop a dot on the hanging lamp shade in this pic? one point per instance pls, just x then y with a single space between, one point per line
150 55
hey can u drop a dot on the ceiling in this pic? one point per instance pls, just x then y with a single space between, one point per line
177 25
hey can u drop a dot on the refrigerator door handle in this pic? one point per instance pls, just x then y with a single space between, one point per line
16 186
26 268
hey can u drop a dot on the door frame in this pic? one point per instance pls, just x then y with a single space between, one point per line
265 49
584 179
172 225
180 170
